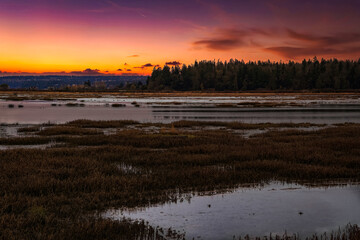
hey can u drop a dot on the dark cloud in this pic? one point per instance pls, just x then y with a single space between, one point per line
87 71
129 70
119 70
173 63
91 71
133 56
145 66
219 44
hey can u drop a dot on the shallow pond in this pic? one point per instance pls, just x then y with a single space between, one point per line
274 208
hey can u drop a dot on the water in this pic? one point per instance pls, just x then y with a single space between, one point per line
35 112
275 208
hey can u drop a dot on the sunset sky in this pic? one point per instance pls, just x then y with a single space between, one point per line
131 37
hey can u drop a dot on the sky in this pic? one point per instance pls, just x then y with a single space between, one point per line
94 37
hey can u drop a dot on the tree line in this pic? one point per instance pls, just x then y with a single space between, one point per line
237 75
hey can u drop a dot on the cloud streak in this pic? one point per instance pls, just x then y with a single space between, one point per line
336 39
308 44
222 44
286 42
226 39
115 5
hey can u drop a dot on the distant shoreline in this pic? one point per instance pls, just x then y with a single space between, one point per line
186 93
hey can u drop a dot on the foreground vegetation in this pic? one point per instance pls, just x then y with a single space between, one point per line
56 193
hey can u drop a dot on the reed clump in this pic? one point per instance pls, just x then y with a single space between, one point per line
83 123
29 129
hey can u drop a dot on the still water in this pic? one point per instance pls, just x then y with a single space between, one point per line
34 112
274 208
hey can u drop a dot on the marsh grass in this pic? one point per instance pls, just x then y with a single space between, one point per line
29 129
350 232
65 130
55 193
240 125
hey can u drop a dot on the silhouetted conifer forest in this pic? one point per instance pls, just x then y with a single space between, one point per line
237 75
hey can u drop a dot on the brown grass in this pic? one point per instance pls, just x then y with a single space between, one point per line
55 193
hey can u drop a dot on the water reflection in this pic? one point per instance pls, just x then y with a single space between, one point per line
35 112
275 208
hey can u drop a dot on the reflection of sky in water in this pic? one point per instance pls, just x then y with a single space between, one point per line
95 109
273 209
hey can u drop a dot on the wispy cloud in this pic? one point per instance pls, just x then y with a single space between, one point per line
335 39
284 42
141 12
309 44
222 44
225 39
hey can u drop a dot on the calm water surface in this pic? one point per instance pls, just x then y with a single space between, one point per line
34 112
275 208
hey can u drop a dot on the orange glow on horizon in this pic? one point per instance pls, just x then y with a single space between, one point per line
63 36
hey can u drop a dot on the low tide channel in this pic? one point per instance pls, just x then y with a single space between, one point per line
275 208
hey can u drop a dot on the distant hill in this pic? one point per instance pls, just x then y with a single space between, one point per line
57 82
